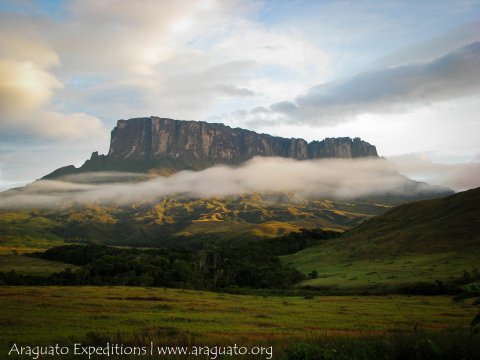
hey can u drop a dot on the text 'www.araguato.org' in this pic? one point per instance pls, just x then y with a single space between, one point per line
152 350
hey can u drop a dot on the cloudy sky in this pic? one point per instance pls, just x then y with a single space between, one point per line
403 75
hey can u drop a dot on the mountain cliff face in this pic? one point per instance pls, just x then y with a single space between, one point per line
142 144
146 138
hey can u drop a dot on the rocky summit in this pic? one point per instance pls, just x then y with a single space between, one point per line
161 144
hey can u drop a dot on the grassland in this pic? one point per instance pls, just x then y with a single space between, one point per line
31 266
336 269
26 231
418 242
45 315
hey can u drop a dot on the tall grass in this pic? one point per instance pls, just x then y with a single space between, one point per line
449 344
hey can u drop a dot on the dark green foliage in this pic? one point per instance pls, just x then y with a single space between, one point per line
294 242
256 264
252 264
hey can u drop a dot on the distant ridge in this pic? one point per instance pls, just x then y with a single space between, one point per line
167 145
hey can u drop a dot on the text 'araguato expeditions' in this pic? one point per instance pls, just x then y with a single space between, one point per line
110 350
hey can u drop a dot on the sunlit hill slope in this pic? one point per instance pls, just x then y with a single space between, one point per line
175 219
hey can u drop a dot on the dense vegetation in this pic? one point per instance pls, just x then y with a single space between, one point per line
253 264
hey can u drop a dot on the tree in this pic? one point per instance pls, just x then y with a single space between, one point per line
472 291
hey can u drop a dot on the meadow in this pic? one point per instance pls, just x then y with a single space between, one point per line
337 270
25 265
428 241
49 315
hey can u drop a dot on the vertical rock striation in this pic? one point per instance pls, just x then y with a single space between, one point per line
156 138
141 144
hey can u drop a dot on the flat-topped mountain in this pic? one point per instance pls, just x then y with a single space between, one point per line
142 144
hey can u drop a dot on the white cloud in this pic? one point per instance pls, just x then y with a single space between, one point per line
458 176
174 58
397 89
24 46
27 90
328 178
66 126
24 87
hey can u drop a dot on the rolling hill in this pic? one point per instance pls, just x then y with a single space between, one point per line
425 241
177 220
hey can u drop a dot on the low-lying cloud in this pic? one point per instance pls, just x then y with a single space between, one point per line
326 178
458 176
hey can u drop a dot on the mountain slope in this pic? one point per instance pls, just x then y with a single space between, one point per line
180 219
427 240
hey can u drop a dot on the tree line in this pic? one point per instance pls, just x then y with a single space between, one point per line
248 264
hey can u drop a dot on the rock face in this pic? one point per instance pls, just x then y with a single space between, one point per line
155 138
141 144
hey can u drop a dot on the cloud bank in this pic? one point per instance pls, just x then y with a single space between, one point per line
393 89
121 59
328 178
27 90
458 176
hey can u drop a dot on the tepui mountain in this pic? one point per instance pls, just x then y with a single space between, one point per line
167 145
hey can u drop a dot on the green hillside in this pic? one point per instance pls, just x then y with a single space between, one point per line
176 219
424 241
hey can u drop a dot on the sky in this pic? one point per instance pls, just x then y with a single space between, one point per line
402 75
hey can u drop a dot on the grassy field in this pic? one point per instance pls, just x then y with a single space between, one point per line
337 269
26 231
45 315
32 266
418 242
